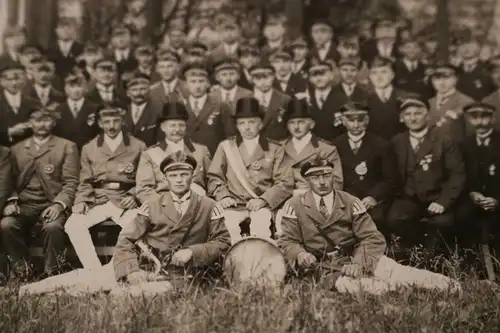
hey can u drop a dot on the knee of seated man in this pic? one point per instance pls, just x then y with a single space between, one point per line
9 223
53 226
441 220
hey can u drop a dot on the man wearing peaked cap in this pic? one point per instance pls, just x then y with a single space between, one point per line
494 97
230 36
368 162
271 100
248 56
170 88
360 263
173 123
286 81
227 73
300 51
42 88
482 162
431 169
323 45
207 240
446 108
107 179
106 76
46 184
121 46
247 175
145 56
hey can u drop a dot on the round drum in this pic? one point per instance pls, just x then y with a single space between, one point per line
254 260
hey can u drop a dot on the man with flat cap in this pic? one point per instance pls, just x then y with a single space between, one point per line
150 180
271 100
208 122
432 175
300 51
106 88
494 97
446 108
45 170
323 49
286 81
247 175
186 230
230 34
14 39
227 73
170 88
121 49
348 89
142 115
383 43
42 89
368 162
15 107
478 212
329 228
107 182
145 56
274 32
78 114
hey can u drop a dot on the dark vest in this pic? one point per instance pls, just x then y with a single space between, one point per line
411 166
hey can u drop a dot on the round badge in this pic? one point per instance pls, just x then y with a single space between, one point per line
210 121
91 120
256 165
478 84
425 167
361 169
48 169
492 170
128 168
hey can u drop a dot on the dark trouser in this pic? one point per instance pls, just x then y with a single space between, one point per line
378 215
15 228
409 219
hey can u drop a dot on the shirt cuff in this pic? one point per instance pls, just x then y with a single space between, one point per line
61 203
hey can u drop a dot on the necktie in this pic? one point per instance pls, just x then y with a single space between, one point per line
323 209
355 145
168 91
263 101
227 97
321 101
136 113
74 109
441 102
419 143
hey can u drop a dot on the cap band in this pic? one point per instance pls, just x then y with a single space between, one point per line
319 169
413 102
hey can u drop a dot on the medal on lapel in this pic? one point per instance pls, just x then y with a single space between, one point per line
338 119
211 119
492 169
478 84
48 169
424 162
91 120
128 168
361 170
256 165
281 112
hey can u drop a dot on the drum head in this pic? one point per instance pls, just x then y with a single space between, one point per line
254 260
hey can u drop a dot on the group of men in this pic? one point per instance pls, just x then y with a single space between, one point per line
318 148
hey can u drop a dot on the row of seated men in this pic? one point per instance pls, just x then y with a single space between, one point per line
412 185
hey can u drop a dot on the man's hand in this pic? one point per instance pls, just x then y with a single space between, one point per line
305 259
138 277
255 204
435 208
80 208
52 212
11 209
18 129
352 270
489 204
369 202
228 202
182 257
477 198
128 202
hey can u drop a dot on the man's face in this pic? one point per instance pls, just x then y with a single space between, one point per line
104 76
348 50
248 60
174 130
411 51
44 76
167 69
135 6
263 82
274 32
42 126
121 41
283 67
431 46
415 118
321 79
381 77
300 53
145 60
469 50
197 85
111 125
444 84
177 39
299 127
230 35
482 122
75 91
179 181
348 74
249 128
495 75
91 58
321 34
355 124
321 184
386 35
138 93
228 78
65 32
12 81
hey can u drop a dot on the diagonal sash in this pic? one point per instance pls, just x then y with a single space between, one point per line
236 162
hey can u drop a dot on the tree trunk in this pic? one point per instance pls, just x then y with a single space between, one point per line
443 30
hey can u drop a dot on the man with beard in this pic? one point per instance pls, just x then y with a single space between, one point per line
105 89
173 123
107 181
46 175
42 90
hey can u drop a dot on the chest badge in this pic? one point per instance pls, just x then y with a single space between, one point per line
478 84
492 170
91 120
48 169
256 166
424 162
361 170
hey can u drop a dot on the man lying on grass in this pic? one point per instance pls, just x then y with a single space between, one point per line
331 229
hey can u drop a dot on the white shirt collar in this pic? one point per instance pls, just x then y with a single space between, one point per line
447 94
170 86
420 134
275 44
410 63
300 144
184 198
285 79
232 92
72 102
356 138
113 143
266 95
182 203
41 142
172 147
201 101
349 89
485 138
322 93
13 99
328 199
386 92
251 144
39 89
104 89
122 54
230 48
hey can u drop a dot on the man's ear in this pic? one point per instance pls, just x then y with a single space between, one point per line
312 123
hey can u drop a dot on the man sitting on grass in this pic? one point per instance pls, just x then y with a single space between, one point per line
328 227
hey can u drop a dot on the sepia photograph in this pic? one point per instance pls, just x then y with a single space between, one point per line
240 166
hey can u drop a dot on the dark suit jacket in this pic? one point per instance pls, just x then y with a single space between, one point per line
444 181
9 118
482 165
296 83
127 65
146 128
380 180
5 175
159 98
54 95
369 51
477 83
81 129
65 64
494 99
325 127
385 116
118 94
332 55
413 81
245 82
274 127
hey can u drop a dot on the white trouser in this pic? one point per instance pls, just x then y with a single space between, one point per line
389 275
259 226
280 212
77 228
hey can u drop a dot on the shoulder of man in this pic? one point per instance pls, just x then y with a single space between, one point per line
136 143
216 210
290 206
353 203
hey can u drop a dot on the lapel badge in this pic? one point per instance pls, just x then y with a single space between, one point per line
128 168
281 112
424 162
256 165
361 170
478 84
492 169
210 121
91 120
452 114
338 119
48 169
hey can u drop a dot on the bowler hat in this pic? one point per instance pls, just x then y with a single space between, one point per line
296 108
248 107
173 111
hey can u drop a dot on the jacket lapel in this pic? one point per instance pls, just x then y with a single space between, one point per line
312 210
187 217
170 212
307 152
272 109
244 155
425 147
337 211
404 145
145 117
290 151
205 112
